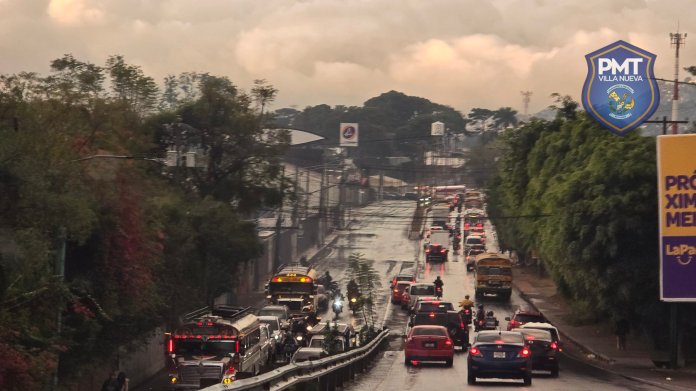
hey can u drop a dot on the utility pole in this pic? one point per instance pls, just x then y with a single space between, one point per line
525 100
279 223
322 211
306 208
677 39
295 207
59 270
664 123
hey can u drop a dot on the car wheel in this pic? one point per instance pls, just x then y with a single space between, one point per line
554 372
407 361
471 379
527 380
449 362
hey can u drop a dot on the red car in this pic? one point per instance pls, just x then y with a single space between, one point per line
402 277
429 343
398 291
522 316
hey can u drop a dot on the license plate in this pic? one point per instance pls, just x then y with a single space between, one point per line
498 354
429 344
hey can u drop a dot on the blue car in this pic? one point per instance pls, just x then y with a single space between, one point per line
499 355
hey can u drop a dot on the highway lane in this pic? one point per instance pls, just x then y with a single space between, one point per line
380 232
390 373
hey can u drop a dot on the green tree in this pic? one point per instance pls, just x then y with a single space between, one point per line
368 280
504 117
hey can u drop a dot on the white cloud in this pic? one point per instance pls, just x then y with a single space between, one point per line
464 53
74 12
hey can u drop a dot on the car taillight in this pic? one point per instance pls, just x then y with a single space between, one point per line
231 370
443 251
396 291
513 323
427 251
170 346
523 353
553 346
475 352
448 342
461 325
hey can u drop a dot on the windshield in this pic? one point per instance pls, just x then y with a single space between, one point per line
272 324
216 348
422 290
430 331
316 343
472 241
429 306
279 313
494 271
291 287
497 338
529 318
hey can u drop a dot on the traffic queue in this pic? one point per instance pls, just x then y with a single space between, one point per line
437 330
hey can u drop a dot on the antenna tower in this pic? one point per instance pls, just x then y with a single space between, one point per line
525 100
677 40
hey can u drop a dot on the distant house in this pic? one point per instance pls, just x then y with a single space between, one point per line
185 146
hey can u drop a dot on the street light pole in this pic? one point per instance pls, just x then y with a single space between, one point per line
59 271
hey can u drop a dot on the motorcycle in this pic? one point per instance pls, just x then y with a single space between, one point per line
337 307
456 245
354 301
438 292
466 315
489 322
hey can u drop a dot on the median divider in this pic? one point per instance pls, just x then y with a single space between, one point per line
330 372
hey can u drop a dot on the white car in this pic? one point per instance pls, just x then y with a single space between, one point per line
416 290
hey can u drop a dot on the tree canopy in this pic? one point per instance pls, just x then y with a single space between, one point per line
583 200
143 243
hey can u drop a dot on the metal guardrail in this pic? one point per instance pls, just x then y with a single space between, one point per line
347 364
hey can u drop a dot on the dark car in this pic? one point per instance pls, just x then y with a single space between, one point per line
433 305
435 252
500 355
544 349
522 316
451 320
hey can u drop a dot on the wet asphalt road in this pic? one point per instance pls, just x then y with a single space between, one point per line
380 232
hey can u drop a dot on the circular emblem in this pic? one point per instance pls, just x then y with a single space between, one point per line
621 101
348 132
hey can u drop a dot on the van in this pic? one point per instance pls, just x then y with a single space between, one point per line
493 275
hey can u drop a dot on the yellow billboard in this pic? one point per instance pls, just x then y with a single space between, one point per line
676 171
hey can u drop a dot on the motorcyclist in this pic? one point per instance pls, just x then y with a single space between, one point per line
438 282
327 278
480 315
466 303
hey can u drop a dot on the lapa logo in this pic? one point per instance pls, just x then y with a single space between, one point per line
620 90
683 253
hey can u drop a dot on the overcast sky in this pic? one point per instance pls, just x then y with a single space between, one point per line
463 53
